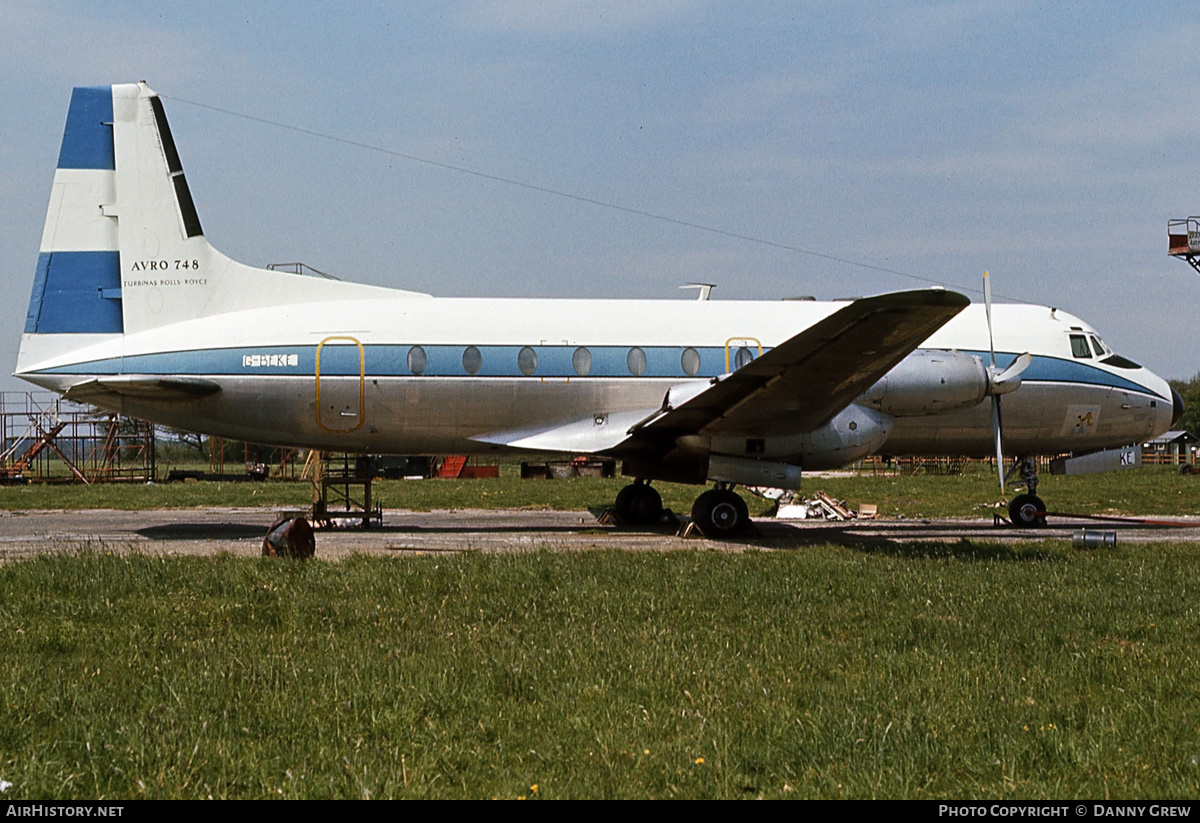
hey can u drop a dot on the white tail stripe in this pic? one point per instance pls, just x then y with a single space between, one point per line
76 219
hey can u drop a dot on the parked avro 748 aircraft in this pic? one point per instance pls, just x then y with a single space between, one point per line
133 311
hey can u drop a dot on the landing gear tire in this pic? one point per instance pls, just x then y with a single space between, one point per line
721 514
639 505
1027 511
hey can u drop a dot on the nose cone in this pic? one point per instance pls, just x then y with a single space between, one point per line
1177 403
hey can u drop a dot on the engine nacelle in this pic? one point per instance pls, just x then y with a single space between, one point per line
854 433
930 381
747 472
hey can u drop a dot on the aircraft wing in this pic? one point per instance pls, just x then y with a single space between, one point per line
795 387
802 383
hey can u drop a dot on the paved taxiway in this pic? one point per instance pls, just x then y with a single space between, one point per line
240 531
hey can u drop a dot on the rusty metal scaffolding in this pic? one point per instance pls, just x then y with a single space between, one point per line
1183 240
333 500
44 438
262 462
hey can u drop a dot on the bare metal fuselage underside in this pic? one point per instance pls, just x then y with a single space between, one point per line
419 415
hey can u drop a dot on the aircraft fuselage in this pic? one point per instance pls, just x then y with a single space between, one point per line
343 375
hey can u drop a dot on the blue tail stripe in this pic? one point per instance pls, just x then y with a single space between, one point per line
88 138
39 290
68 294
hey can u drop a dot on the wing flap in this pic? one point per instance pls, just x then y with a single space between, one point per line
585 435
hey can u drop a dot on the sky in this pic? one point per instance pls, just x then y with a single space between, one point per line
620 149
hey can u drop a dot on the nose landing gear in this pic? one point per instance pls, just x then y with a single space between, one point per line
1026 511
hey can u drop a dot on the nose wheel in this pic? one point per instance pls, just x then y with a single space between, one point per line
721 514
1027 511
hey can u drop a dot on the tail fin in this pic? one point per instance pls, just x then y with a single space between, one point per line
123 251
77 287
121 226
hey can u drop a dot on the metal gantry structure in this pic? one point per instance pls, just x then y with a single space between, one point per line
334 478
1183 240
45 438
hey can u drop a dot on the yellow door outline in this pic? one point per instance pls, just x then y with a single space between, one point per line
362 370
738 343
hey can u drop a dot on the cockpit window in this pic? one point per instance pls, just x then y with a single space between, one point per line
1079 346
1120 362
1098 347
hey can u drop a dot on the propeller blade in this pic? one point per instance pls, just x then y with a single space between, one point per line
987 307
997 381
996 427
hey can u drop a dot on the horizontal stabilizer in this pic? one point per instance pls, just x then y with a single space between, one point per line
156 388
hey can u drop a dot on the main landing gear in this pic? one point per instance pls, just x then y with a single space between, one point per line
1027 510
638 504
719 513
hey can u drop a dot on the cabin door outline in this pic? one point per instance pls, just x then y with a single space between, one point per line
340 399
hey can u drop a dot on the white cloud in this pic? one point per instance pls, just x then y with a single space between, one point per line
1138 96
569 17
922 26
759 98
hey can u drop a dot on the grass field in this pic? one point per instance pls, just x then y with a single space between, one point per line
963 671
1149 491
921 671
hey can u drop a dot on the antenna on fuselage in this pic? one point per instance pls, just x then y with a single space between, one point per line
703 289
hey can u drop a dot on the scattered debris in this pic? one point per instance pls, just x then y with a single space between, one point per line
822 507
290 537
1085 539
565 469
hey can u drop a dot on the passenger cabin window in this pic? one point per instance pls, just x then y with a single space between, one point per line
527 361
636 361
581 361
689 361
742 357
1079 346
417 360
472 360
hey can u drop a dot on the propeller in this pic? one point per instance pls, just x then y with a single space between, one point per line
1000 381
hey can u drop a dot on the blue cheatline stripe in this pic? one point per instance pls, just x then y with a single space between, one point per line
69 294
88 138
554 363
1058 370
388 360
